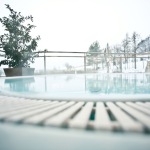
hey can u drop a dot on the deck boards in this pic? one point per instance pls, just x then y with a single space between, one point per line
140 108
45 115
143 105
120 116
102 120
144 119
62 117
15 112
127 123
82 118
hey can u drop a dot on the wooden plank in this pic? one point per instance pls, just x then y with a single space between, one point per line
102 120
46 115
147 103
24 104
143 105
60 119
10 108
27 113
82 118
140 108
23 110
19 103
127 123
144 119
9 98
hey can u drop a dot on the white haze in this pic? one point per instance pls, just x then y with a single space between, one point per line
72 25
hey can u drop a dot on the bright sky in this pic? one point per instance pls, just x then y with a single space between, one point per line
72 25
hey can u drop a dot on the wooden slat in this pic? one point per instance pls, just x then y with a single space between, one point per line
9 98
6 101
21 116
143 104
18 102
8 108
23 106
60 119
102 120
140 108
130 116
23 110
147 103
82 118
46 115
127 123
136 114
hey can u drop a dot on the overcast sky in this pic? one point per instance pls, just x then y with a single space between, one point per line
72 25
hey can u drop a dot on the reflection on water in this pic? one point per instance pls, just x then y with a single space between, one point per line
19 84
89 83
120 83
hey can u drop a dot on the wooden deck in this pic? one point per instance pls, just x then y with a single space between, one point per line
112 116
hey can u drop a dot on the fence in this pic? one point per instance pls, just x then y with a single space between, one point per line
101 62
104 62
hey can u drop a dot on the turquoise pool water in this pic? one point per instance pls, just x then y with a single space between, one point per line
80 86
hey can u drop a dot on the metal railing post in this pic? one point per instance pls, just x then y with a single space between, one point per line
44 62
135 61
121 64
85 62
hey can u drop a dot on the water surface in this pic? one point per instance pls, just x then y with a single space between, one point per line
80 85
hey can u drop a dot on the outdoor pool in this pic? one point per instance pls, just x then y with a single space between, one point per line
129 86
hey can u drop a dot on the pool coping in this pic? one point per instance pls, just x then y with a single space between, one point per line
101 97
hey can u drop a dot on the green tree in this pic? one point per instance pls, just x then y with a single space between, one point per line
17 43
92 57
